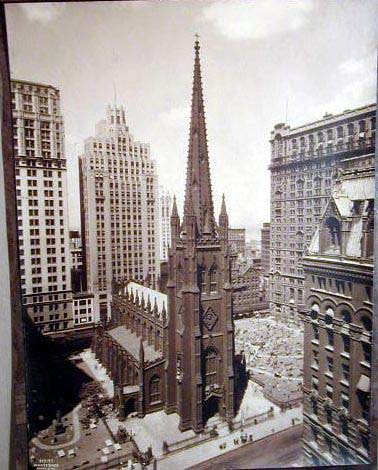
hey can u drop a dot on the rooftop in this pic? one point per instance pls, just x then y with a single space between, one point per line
154 295
131 343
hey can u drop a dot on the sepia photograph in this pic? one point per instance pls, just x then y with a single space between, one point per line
187 202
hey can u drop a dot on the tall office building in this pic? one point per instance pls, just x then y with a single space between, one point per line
41 189
119 209
165 209
338 327
305 162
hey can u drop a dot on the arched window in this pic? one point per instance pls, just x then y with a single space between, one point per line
329 316
362 126
211 366
213 279
340 132
329 134
302 143
346 316
155 395
320 137
315 311
366 323
350 129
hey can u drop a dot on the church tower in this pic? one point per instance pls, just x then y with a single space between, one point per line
199 336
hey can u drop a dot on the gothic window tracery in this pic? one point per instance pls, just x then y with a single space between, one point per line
211 367
202 278
213 279
155 394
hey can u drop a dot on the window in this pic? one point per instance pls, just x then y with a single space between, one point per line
202 278
155 389
366 323
211 367
345 400
345 370
346 316
329 415
329 316
346 343
330 337
366 348
314 405
213 279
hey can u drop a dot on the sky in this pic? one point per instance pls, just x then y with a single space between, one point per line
263 62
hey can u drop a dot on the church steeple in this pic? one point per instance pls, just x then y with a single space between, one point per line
198 197
223 217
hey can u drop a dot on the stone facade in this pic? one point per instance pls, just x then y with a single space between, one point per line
338 326
131 348
237 240
42 211
305 163
119 208
176 350
249 292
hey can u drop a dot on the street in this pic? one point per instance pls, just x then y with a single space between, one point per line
280 450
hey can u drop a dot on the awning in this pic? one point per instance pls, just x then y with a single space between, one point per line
364 383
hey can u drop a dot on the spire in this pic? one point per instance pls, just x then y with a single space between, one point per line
223 207
198 184
223 217
174 212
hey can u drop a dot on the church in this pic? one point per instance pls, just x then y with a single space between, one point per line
175 350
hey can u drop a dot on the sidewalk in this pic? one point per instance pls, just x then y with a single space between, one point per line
207 450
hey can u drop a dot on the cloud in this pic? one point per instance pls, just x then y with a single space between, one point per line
258 19
176 117
359 67
42 12
359 76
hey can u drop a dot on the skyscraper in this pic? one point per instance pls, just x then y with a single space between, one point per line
165 208
305 161
119 208
338 327
41 189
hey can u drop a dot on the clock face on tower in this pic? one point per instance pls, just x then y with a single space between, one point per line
210 318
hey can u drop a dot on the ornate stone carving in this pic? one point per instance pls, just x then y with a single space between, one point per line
210 318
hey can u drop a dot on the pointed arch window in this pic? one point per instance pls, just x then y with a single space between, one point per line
211 367
213 279
202 278
155 393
